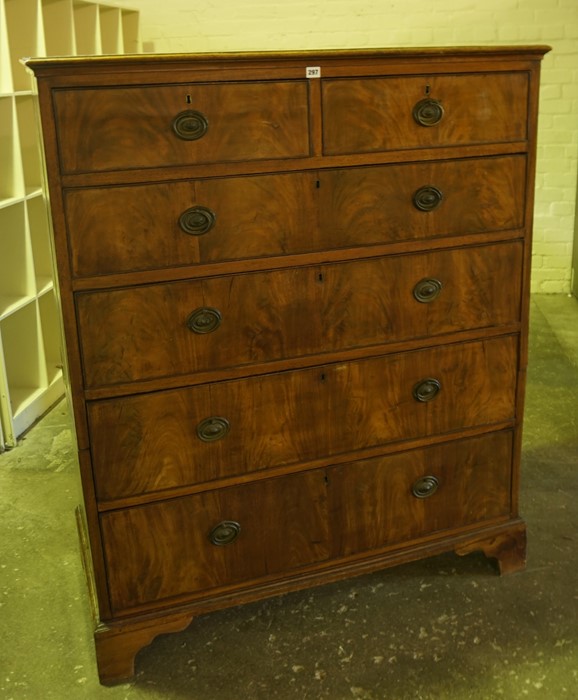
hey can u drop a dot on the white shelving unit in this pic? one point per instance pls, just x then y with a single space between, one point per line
30 358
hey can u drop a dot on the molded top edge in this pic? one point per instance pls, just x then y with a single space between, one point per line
45 65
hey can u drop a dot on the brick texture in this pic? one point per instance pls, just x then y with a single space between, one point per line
236 25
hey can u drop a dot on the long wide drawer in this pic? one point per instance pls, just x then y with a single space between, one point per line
144 127
231 536
181 328
383 114
162 225
151 442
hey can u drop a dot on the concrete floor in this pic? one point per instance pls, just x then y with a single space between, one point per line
447 628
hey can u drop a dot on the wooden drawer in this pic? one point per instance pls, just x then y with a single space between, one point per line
121 229
383 204
144 227
382 114
457 484
147 443
181 547
136 127
164 550
180 328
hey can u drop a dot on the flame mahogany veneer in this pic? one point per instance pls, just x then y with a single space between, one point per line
294 292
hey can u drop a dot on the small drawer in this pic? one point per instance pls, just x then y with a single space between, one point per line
383 114
144 127
394 499
387 204
145 227
178 548
152 442
179 328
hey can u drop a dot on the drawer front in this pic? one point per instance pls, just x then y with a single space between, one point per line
144 127
401 497
382 114
185 327
121 229
382 204
143 227
214 539
152 442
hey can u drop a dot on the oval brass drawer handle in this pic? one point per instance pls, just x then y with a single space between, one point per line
213 429
197 220
190 125
425 487
427 198
427 290
426 390
225 533
204 320
428 112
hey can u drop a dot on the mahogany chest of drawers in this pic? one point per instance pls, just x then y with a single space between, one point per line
294 291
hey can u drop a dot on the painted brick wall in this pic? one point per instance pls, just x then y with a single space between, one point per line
235 25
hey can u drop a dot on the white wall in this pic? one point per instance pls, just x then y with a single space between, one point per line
232 25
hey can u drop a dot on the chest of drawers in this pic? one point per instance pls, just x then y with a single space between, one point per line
295 311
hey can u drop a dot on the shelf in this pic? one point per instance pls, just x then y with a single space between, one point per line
44 284
30 376
22 22
17 283
29 148
110 30
22 356
50 325
13 304
6 85
10 202
33 368
58 27
130 31
35 404
40 240
87 28
11 176
33 379
7 435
